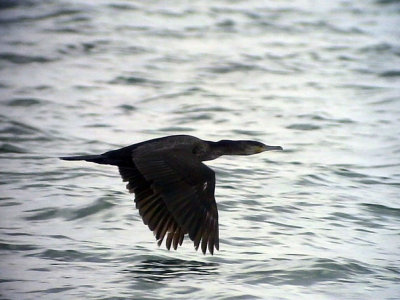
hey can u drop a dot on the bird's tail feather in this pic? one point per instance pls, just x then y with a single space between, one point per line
100 159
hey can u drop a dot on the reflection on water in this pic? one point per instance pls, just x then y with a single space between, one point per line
318 220
163 269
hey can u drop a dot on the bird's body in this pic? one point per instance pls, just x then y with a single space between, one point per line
174 190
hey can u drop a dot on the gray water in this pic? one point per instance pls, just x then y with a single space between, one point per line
320 220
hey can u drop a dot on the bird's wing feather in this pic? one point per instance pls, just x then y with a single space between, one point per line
186 187
151 207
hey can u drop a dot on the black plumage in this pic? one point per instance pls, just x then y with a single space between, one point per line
174 190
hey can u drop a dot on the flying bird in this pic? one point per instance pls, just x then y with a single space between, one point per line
174 190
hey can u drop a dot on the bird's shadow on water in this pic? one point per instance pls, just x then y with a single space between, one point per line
159 269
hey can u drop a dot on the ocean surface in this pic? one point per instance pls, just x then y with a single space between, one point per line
320 220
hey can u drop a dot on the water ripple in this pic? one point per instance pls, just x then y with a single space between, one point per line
304 126
382 210
305 272
70 255
70 214
24 59
318 220
25 102
163 269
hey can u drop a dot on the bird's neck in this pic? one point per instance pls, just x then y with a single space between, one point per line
217 149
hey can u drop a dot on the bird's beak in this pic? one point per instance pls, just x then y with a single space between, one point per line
269 148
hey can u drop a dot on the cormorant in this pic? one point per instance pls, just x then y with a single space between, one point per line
174 190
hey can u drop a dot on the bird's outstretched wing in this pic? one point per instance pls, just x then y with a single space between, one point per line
175 195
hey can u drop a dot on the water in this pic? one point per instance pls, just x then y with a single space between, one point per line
318 221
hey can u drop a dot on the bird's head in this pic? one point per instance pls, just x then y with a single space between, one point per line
244 147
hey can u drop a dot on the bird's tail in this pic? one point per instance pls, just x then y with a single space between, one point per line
99 159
